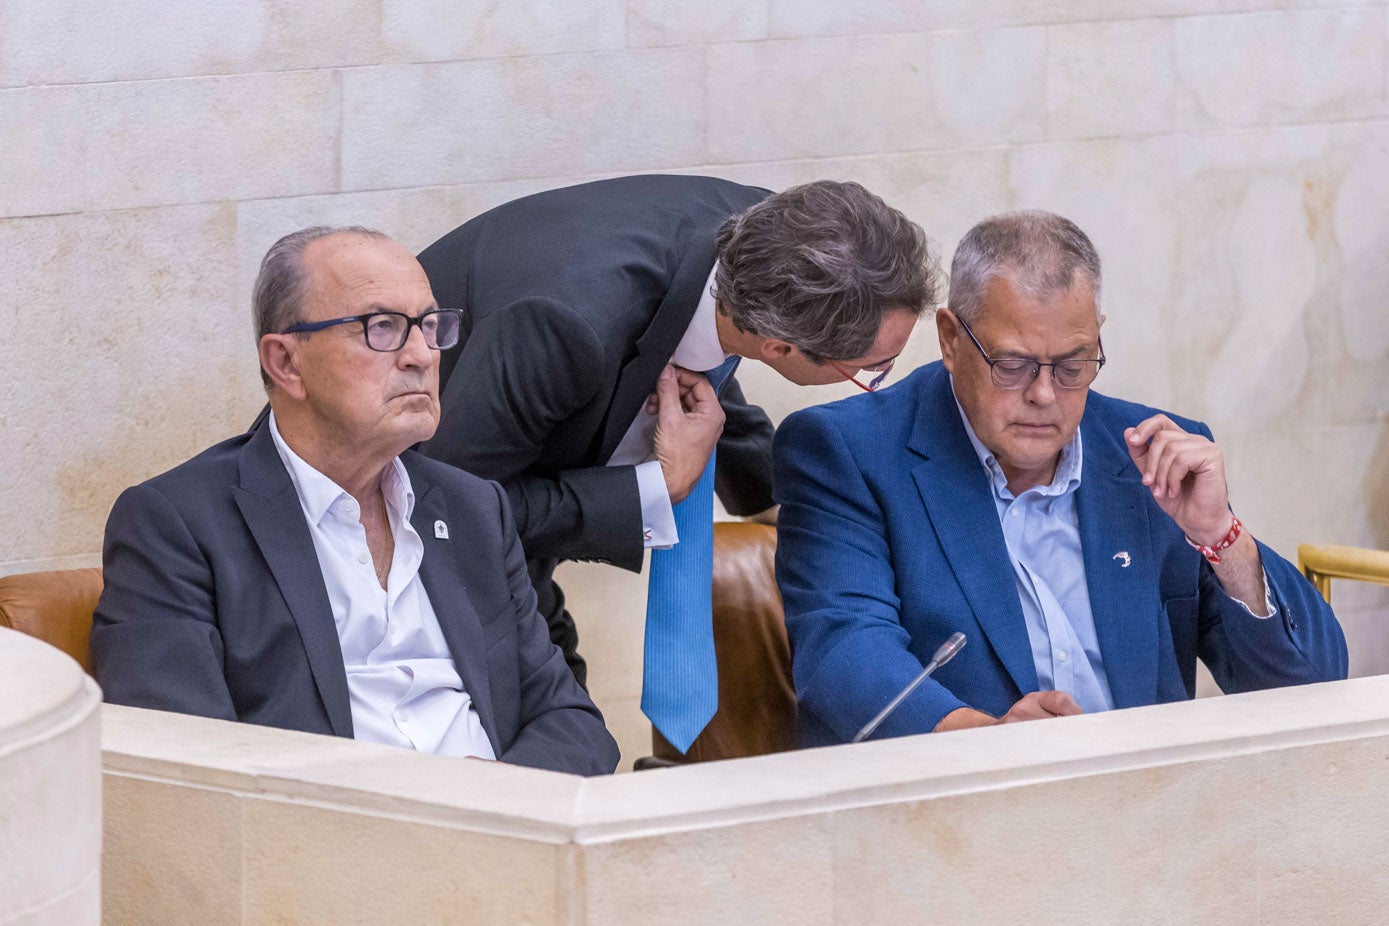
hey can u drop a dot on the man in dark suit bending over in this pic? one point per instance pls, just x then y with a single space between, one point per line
314 574
594 380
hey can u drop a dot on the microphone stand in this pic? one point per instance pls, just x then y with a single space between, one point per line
947 652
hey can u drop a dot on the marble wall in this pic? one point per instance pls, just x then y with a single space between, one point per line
1229 157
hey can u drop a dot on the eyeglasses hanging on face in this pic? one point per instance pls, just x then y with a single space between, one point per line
1019 372
388 331
873 384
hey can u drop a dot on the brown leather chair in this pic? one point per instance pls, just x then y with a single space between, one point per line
757 700
54 606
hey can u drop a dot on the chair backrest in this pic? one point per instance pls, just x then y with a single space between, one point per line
757 699
54 606
1321 564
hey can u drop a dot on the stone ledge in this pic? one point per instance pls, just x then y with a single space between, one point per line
556 808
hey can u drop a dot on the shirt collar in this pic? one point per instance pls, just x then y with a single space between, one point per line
1068 470
700 349
317 493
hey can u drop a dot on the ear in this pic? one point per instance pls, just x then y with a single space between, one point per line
774 349
1102 318
948 333
279 359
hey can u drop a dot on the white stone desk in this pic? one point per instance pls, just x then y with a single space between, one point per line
1266 808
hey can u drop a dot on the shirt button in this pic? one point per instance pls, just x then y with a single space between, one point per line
362 558
1062 656
1015 512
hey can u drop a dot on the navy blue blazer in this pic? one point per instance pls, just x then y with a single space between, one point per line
214 604
889 541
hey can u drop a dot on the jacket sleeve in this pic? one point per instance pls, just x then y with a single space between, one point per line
834 568
560 727
1299 644
524 370
743 467
155 641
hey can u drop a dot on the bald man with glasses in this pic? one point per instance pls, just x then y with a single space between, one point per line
1084 546
314 574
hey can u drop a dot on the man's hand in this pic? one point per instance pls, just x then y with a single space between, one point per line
689 422
1035 706
1186 473
1039 705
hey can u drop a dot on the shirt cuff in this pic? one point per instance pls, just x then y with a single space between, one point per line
1269 606
657 516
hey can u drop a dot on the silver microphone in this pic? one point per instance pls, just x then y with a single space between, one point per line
947 652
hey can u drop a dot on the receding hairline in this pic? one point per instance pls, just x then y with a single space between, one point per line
338 243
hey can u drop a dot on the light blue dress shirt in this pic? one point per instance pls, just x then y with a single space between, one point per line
1042 532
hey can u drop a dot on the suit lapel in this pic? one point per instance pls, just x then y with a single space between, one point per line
1112 510
441 571
270 506
656 345
959 503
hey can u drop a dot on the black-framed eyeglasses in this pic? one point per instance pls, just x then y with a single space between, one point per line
388 331
1019 372
872 384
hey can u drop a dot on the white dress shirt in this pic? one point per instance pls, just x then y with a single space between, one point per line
401 680
698 350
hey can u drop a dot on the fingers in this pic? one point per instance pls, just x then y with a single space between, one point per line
1039 705
1164 453
667 393
1144 430
1058 703
1171 457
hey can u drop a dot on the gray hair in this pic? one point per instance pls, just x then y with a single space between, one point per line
1039 252
819 265
278 299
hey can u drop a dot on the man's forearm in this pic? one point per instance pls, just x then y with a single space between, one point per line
1241 574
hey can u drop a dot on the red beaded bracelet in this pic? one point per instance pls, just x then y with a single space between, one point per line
1212 554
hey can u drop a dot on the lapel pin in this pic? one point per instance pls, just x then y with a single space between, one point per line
1123 557
441 531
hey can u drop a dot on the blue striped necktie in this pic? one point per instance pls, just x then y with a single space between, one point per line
680 681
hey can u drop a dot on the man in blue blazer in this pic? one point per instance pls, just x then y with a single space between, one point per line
1084 545
313 574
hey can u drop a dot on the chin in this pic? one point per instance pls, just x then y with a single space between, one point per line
414 427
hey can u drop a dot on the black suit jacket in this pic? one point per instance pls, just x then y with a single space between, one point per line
214 604
575 300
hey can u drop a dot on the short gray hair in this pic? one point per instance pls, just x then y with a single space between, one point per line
1039 252
278 299
819 265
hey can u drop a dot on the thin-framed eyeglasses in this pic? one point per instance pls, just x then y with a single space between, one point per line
388 331
873 384
1019 372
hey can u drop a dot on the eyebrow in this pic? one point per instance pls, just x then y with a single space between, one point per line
378 307
1074 353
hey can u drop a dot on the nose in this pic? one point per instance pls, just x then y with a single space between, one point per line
1042 389
415 352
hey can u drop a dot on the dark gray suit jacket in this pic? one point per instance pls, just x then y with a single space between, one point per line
575 300
214 605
